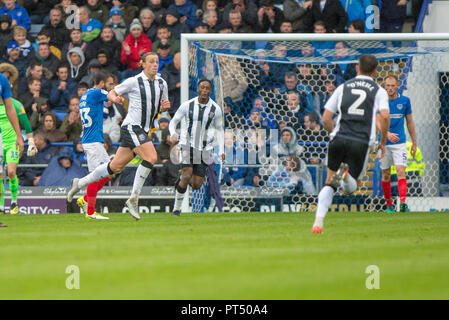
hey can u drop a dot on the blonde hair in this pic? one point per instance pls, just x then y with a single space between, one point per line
19 30
144 57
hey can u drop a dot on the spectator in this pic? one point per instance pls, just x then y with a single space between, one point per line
71 125
172 75
294 175
269 17
343 71
128 8
65 7
12 74
149 26
224 27
5 33
234 80
61 170
210 17
329 11
14 58
38 109
105 41
98 10
93 66
356 9
49 128
356 26
57 29
62 89
392 15
165 58
48 59
38 10
105 61
233 175
248 11
291 83
296 11
19 16
268 120
78 68
255 120
78 151
201 27
110 123
287 145
135 45
167 175
159 12
31 176
117 23
315 150
286 27
172 20
213 6
323 97
293 111
75 41
20 36
90 28
164 35
44 37
236 22
187 12
37 70
320 28
82 88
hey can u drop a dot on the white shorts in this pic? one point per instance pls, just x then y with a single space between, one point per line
96 155
395 155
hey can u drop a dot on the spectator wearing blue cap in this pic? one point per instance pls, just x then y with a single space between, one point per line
117 23
14 58
19 16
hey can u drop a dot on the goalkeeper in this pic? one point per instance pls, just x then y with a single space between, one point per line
10 152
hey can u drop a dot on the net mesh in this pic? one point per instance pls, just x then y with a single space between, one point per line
266 88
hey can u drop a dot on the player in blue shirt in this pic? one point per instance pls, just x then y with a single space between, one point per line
5 98
91 112
396 151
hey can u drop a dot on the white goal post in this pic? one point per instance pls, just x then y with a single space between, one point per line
431 56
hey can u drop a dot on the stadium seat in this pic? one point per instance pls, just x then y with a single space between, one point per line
61 115
35 29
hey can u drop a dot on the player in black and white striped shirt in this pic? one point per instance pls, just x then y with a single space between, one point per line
201 129
148 96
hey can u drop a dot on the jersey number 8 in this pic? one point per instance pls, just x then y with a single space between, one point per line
354 108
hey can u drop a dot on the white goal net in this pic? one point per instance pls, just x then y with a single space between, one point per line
271 86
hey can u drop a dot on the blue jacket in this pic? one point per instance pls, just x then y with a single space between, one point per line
356 9
55 175
19 14
59 99
163 62
188 9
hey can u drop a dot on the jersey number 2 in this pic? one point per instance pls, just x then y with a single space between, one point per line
85 118
354 108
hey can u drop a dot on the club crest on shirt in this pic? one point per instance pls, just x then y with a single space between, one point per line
399 106
211 114
141 137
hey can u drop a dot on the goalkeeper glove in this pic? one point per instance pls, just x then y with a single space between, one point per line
32 150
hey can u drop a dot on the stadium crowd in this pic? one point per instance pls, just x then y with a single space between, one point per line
50 62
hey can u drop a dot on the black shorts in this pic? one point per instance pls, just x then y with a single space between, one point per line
133 136
197 159
354 153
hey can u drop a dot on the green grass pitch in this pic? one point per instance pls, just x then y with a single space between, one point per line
225 256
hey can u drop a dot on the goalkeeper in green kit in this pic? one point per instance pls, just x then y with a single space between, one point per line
10 153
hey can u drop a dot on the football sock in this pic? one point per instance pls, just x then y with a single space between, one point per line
91 197
324 202
349 184
386 188
402 189
142 173
179 196
14 188
2 195
102 171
